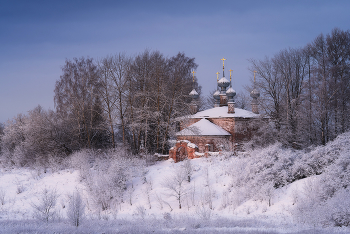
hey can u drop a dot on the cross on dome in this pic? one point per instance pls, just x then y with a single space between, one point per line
223 67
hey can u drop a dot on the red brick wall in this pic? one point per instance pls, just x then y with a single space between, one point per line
181 151
238 128
201 141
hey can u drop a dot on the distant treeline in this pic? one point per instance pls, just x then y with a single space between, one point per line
306 91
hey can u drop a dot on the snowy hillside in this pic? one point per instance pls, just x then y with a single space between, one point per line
271 190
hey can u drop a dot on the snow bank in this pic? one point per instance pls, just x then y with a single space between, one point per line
234 189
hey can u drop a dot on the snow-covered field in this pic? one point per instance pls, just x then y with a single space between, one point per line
260 191
207 205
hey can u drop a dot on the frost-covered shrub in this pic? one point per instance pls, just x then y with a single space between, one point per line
108 176
140 212
339 208
2 196
76 209
82 160
326 198
317 208
203 212
281 166
44 209
188 169
175 185
30 139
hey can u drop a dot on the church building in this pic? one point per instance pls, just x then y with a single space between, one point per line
207 132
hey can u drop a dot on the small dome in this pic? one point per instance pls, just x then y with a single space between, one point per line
216 95
194 94
255 93
223 82
231 92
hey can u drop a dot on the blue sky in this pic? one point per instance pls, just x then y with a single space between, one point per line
36 37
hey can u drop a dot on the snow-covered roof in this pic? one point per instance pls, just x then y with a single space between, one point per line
221 112
223 80
204 128
193 92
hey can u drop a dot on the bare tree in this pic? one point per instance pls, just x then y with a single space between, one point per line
159 88
76 209
188 169
175 184
114 89
2 196
77 101
304 91
44 210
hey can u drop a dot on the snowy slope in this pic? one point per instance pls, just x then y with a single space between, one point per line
212 193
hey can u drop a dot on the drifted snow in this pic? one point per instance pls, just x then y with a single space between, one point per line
205 128
17 206
214 173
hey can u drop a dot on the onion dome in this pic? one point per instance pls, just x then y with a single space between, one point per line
223 82
230 92
194 94
255 93
216 95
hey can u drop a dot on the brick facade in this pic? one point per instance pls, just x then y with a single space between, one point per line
182 150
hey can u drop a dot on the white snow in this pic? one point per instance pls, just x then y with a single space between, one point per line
204 128
208 173
22 188
212 180
230 90
193 92
222 112
192 145
223 80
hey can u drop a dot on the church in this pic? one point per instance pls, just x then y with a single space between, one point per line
222 127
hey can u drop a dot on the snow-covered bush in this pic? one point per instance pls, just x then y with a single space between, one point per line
203 212
188 169
2 196
175 185
44 209
140 212
76 209
31 139
279 166
107 177
326 198
83 161
339 208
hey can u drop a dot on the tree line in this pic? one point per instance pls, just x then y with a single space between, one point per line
134 101
306 91
119 99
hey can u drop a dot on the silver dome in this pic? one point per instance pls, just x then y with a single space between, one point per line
255 93
231 92
216 95
223 82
